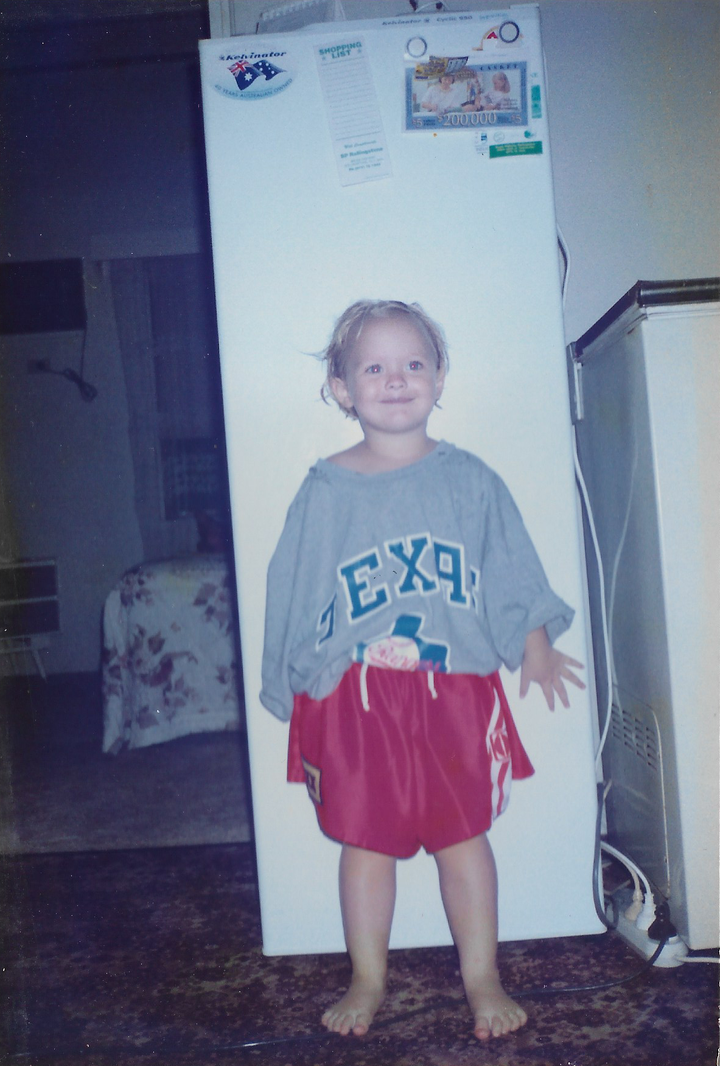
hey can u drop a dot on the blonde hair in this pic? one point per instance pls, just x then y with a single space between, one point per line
350 325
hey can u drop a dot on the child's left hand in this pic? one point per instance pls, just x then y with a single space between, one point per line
549 667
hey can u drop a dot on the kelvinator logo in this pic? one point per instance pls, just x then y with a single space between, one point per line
253 75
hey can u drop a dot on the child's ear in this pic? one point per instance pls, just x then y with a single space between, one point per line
439 382
340 391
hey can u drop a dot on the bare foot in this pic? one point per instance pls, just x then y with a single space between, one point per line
494 1012
356 1010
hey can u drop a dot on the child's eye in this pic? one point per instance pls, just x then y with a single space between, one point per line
416 365
374 369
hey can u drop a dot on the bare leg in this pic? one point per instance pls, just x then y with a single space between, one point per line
468 883
367 899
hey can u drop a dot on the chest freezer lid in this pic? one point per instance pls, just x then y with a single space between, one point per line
650 294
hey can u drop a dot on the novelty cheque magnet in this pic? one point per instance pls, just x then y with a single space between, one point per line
452 93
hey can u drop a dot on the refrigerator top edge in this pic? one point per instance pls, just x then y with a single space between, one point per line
646 298
530 12
438 19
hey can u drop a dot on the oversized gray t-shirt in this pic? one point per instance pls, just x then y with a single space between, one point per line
428 567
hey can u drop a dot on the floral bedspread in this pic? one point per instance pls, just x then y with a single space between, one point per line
169 655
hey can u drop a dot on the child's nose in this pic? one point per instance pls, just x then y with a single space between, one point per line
396 378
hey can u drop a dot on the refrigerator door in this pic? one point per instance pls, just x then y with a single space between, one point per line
330 183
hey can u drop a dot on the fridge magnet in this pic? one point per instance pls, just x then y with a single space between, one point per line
506 33
498 151
450 93
481 142
252 75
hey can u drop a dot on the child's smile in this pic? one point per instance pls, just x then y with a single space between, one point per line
391 377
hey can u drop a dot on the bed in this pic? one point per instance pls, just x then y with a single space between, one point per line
169 664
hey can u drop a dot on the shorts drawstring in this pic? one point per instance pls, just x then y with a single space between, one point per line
365 699
364 687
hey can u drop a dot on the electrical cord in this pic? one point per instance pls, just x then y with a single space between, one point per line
566 264
629 864
599 908
87 391
580 479
603 607
418 8
618 556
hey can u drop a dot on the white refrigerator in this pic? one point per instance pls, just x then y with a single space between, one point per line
330 181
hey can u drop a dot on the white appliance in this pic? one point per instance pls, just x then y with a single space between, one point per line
647 398
328 183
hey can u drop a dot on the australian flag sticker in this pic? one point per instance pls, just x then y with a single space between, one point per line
253 77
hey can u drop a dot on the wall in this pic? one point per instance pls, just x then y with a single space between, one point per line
68 472
633 100
101 160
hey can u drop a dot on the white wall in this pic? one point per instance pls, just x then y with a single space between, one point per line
634 103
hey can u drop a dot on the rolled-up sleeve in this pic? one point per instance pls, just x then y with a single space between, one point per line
516 594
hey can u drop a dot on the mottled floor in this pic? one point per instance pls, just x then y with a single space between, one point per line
154 956
59 792
186 792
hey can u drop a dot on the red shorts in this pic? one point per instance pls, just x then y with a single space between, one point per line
429 763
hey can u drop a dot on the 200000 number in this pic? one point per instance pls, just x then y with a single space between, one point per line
470 118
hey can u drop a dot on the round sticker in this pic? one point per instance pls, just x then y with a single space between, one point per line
509 32
416 47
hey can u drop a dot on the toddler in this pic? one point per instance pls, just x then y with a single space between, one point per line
403 578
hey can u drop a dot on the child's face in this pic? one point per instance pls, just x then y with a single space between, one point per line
391 376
